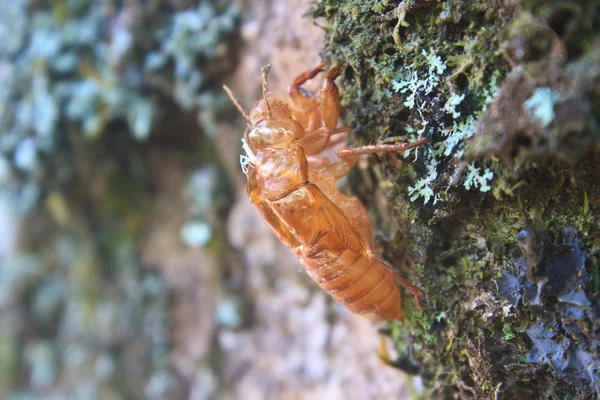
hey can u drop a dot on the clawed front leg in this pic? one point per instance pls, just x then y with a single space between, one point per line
351 207
314 112
317 163
302 78
304 104
330 99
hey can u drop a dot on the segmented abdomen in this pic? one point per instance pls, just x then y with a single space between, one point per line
335 256
360 283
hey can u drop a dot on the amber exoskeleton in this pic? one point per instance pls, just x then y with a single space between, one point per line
294 190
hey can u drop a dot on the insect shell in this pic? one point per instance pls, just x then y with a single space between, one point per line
293 188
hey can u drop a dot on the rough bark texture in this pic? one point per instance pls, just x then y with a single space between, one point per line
132 264
500 211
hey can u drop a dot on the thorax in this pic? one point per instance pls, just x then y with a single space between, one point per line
280 171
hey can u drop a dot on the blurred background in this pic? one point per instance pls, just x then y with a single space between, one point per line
131 262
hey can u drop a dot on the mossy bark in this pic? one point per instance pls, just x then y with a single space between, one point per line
501 210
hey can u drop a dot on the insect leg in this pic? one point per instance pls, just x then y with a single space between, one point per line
307 75
338 136
349 156
314 141
400 279
356 213
318 162
321 139
380 148
330 99
341 168
303 104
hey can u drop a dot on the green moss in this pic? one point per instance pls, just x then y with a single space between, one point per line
479 80
595 272
508 333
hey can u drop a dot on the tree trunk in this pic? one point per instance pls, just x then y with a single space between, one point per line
499 210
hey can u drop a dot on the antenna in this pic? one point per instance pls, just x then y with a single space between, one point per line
235 102
265 75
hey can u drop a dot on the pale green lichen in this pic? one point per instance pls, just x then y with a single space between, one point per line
97 101
41 357
540 105
476 179
435 62
454 100
478 42
453 138
196 233
411 81
422 188
62 72
193 34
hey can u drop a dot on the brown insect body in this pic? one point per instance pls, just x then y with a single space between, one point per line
293 188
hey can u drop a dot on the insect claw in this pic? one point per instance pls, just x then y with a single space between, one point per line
307 75
418 300
334 72
323 65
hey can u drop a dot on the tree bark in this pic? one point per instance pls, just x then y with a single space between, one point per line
499 211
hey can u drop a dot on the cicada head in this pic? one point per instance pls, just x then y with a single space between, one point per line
269 108
272 125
